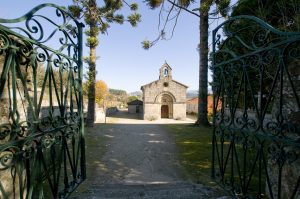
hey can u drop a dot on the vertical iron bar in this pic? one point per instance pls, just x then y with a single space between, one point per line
245 148
82 139
214 111
259 172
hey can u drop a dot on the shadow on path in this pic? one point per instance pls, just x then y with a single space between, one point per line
125 115
131 154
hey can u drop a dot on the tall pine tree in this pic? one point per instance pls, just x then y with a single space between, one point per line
98 18
204 7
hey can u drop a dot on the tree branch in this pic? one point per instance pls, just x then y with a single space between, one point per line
183 8
177 16
126 3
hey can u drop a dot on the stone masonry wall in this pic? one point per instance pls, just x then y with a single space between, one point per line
151 111
180 112
152 90
152 98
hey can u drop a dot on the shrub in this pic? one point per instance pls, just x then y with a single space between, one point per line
152 118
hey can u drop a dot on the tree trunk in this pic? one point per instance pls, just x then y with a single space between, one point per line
91 88
92 68
203 69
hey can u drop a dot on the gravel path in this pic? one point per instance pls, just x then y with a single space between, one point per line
138 152
139 162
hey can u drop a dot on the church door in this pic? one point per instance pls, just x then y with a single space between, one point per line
164 111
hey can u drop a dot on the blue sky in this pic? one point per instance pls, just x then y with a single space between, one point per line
122 63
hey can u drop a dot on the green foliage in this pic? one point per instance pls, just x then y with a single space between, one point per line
152 118
75 10
205 6
92 31
133 19
110 17
113 4
85 89
119 19
104 27
92 41
99 17
134 7
132 98
281 14
223 7
153 3
117 92
146 44
185 3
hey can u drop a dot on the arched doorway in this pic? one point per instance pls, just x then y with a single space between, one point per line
164 111
166 106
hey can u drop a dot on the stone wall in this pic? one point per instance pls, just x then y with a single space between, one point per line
10 181
151 111
180 112
111 110
134 108
192 107
99 115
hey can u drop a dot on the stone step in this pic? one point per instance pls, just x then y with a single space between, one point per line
149 191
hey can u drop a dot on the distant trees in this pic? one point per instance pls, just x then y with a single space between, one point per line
118 97
60 75
117 92
98 19
132 98
101 92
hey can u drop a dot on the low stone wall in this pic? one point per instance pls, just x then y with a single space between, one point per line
99 115
111 110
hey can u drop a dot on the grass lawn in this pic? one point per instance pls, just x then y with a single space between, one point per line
95 150
195 155
194 150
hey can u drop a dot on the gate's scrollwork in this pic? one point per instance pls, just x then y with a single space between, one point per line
256 138
41 105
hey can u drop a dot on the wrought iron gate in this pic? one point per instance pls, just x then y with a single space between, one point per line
256 138
42 148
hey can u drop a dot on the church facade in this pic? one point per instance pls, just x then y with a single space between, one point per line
165 97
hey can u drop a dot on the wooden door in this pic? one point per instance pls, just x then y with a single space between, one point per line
164 111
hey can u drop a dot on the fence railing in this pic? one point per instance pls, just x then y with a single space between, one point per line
42 148
256 120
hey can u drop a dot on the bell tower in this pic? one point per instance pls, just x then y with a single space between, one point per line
165 72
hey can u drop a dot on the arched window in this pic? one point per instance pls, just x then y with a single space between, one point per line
166 72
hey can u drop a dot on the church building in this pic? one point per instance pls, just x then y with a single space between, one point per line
165 97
